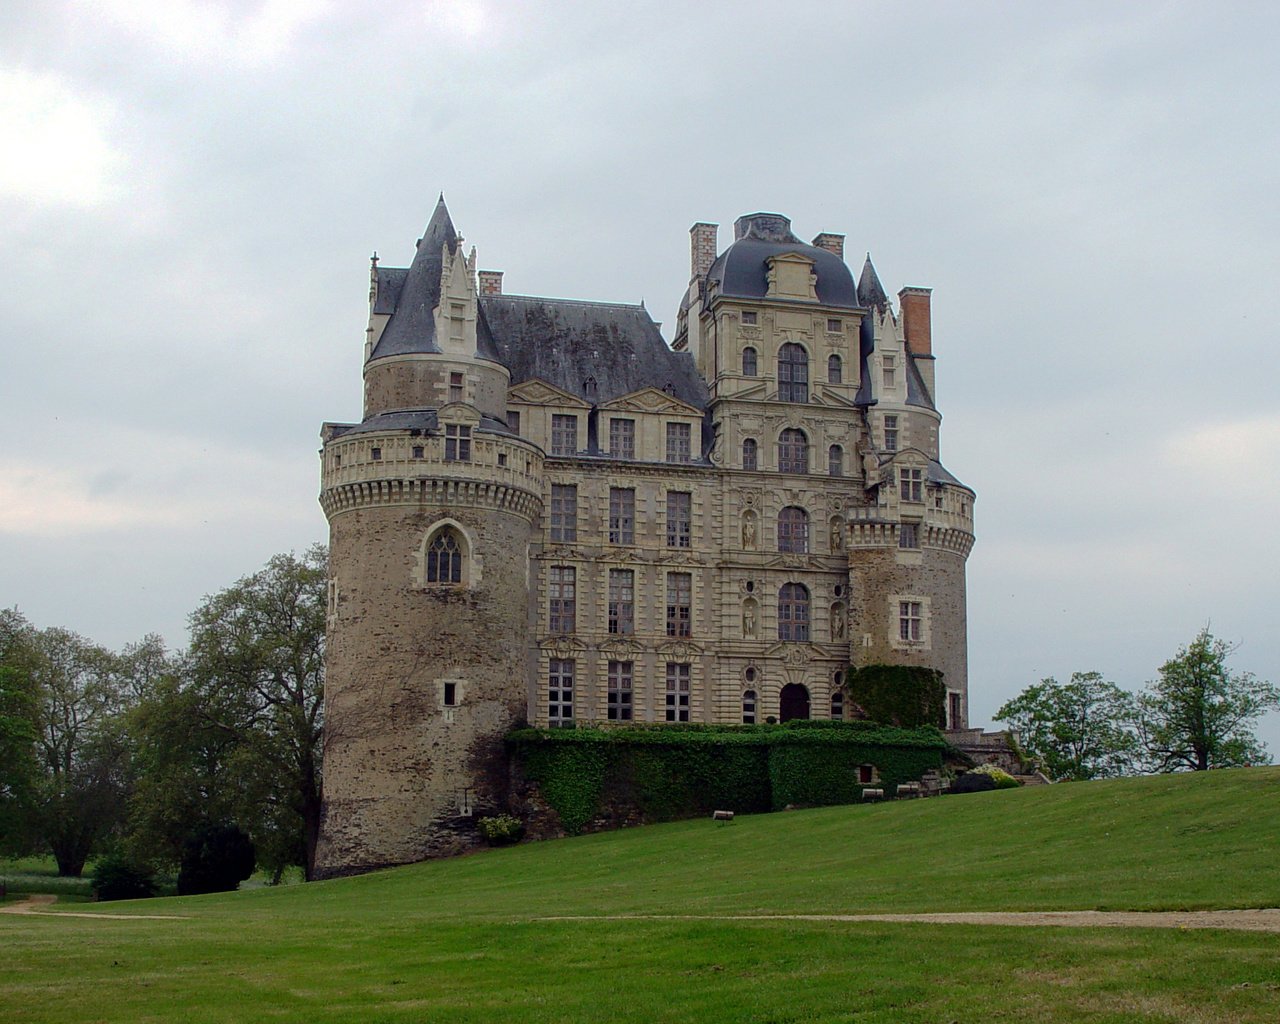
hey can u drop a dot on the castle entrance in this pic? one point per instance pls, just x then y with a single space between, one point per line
794 702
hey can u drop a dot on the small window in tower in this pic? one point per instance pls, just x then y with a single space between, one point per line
376 454
834 326
417 451
502 458
450 694
457 443
891 433
337 460
890 371
749 317
909 535
455 387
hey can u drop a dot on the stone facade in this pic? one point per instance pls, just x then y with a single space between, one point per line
549 515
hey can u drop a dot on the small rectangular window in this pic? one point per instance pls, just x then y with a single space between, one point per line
910 621
513 421
911 484
502 458
621 674
678 442
622 515
954 718
564 435
564 513
377 454
889 370
457 443
749 317
622 438
891 433
450 694
834 326
417 451
908 535
677 692
679 519
455 387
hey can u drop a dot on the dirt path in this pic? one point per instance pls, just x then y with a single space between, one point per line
39 904
1235 920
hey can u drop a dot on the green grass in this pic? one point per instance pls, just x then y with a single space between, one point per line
466 940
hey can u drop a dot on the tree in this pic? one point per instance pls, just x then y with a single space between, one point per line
1084 729
1198 715
256 673
216 858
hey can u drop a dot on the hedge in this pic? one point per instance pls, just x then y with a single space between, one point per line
663 772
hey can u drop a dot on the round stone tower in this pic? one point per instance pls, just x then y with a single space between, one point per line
432 504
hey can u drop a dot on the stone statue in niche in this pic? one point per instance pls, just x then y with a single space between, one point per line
749 619
837 622
749 530
870 467
837 534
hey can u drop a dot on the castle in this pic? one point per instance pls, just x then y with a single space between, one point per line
547 514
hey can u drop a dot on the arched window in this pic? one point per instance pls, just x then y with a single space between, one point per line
749 707
793 612
748 362
835 460
793 451
833 370
793 529
750 455
444 558
793 373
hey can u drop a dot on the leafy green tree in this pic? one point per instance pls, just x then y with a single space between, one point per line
1199 715
1084 729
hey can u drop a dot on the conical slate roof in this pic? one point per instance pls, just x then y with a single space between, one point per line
870 290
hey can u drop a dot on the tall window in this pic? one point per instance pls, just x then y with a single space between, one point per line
622 602
678 443
750 453
564 435
622 438
911 484
834 370
793 451
677 692
564 513
835 460
457 443
793 612
891 433
679 604
889 370
793 529
953 711
749 368
793 373
444 558
621 674
560 692
562 587
622 515
910 621
513 420
455 387
837 704
679 519
908 535
749 707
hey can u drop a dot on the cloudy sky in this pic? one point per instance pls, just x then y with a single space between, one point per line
190 194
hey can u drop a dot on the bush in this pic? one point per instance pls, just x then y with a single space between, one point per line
118 878
501 829
999 776
215 858
973 782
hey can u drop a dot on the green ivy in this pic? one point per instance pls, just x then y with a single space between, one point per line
906 695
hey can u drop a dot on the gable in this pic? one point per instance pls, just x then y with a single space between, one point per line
539 392
650 400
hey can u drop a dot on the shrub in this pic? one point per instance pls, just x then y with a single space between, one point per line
999 776
117 878
215 858
973 782
501 829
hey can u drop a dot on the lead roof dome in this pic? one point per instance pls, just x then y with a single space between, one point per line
741 271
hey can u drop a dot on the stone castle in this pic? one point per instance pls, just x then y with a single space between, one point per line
548 515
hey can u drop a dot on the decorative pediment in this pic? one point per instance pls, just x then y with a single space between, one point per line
562 646
681 649
539 392
622 648
651 400
459 412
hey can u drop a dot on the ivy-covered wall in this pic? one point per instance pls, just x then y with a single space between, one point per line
905 695
602 778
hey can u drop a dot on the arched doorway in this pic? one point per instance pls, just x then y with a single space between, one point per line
794 702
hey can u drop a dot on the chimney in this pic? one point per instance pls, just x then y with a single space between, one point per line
702 248
916 326
490 282
830 242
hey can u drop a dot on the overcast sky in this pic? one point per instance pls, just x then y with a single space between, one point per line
190 194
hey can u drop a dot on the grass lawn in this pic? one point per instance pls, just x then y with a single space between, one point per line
466 940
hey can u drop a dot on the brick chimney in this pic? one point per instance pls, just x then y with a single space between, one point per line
916 325
830 242
702 248
490 282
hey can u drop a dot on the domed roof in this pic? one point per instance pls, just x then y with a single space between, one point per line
741 271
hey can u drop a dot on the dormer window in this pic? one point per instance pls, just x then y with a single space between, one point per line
889 370
589 387
457 443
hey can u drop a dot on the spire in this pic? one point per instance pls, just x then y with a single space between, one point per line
870 291
412 327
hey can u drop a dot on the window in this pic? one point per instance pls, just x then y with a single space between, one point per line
749 707
793 612
502 458
749 366
835 460
953 711
622 591
677 692
622 438
457 443
833 326
560 692
910 621
793 373
564 435
622 515
417 451
834 369
376 453
749 317
837 704
564 513
908 535
621 674
562 586
793 451
679 519
866 774
911 484
679 604
889 370
678 443
750 453
891 433
444 558
590 387
793 529
455 387
937 498
450 695
513 421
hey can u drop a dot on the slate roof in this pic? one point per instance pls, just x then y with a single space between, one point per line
741 270
565 341
425 420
